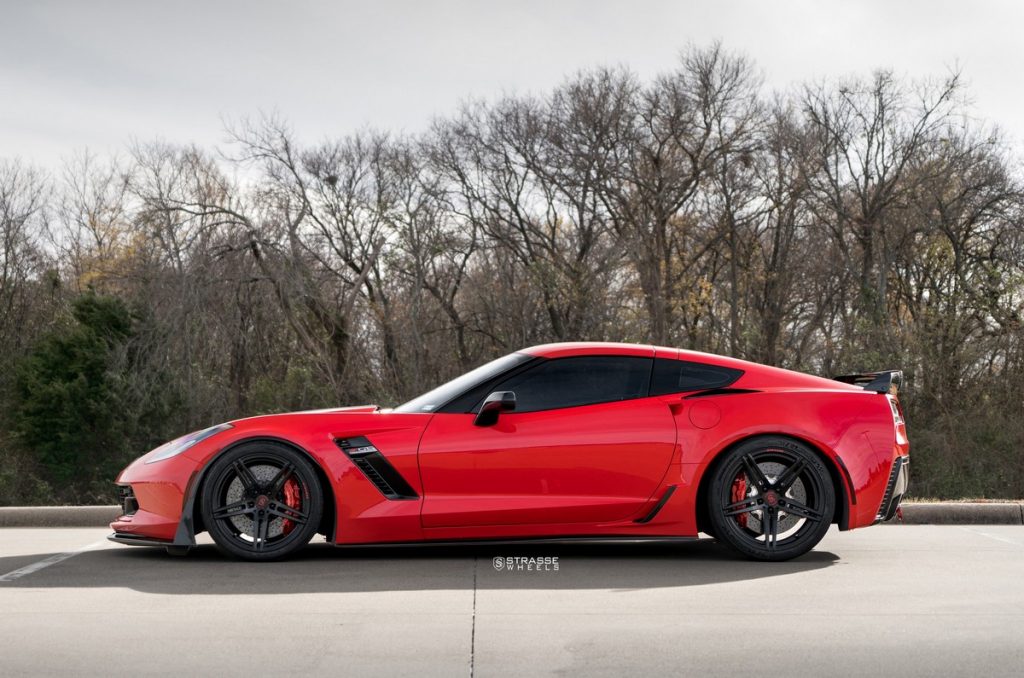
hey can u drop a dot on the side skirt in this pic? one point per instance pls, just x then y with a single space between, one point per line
526 541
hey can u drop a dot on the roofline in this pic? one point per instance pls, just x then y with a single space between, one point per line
756 375
570 348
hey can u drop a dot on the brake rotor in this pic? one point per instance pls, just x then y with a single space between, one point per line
264 473
772 470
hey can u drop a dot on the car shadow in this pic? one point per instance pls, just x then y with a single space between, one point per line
322 568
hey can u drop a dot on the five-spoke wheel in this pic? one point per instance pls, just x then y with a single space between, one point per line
261 501
771 499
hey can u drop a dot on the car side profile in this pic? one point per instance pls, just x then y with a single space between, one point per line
560 441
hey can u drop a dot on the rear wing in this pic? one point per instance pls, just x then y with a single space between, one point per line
884 381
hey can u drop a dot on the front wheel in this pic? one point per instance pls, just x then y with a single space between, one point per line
771 498
261 501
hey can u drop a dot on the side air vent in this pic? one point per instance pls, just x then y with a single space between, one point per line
657 507
377 469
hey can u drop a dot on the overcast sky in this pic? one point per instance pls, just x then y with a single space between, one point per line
86 73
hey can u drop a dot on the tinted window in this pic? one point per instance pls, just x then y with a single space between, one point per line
583 380
676 376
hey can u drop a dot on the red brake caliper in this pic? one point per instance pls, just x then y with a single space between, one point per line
292 498
739 492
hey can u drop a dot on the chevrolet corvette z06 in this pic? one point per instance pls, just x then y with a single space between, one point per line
555 442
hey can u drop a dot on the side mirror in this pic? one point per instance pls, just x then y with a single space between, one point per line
499 401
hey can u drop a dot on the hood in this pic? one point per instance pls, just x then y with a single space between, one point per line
355 409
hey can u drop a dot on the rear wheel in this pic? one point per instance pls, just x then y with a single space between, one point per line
771 498
262 501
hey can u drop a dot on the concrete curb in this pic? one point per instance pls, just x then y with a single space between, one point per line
58 516
914 513
962 513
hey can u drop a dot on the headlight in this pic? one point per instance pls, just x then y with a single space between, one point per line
179 445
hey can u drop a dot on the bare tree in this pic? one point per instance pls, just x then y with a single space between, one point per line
23 194
681 127
869 136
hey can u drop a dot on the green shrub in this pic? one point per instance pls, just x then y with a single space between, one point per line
71 404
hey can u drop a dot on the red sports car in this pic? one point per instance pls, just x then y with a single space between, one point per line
562 441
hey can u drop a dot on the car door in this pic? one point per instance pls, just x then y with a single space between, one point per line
585 445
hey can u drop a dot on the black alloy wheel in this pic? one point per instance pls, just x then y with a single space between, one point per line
771 498
262 501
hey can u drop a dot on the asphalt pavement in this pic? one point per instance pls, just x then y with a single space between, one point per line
889 600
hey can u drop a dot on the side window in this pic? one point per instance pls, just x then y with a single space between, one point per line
677 376
582 380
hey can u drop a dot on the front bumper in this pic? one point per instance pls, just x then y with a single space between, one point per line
899 479
154 500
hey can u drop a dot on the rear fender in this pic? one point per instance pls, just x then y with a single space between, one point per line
847 429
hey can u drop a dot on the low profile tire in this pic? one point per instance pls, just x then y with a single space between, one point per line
262 501
771 498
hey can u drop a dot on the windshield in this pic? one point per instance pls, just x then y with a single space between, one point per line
445 393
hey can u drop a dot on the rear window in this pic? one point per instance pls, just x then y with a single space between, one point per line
677 376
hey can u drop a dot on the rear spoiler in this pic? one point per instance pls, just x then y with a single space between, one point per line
884 381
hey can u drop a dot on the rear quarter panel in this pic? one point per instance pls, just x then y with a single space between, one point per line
854 430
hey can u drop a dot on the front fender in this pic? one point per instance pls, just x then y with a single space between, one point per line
359 511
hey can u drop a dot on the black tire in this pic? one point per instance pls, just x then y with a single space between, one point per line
261 501
770 498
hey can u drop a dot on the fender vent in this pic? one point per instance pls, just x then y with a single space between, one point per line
377 469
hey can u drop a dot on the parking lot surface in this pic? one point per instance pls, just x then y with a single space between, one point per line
890 600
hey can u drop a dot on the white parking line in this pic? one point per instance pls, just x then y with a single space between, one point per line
992 536
52 560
